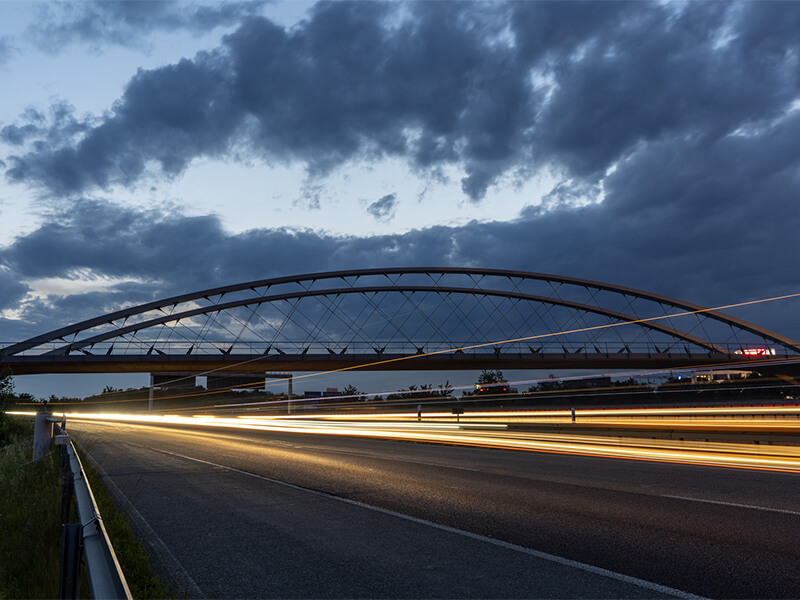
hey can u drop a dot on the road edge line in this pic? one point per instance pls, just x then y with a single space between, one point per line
649 585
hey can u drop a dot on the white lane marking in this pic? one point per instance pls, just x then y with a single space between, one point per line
765 508
655 587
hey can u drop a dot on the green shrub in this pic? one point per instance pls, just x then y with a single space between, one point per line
30 522
14 427
30 528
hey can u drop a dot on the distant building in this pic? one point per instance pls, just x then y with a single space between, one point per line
713 376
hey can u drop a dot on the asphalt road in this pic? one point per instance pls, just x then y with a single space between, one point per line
269 514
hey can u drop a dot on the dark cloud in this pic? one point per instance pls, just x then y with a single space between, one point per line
494 89
12 134
383 209
767 31
675 115
436 88
12 290
553 30
129 23
634 87
115 242
671 223
172 123
58 126
175 252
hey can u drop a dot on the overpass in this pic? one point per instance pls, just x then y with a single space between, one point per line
437 318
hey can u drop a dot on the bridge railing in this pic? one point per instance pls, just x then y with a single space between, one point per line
393 347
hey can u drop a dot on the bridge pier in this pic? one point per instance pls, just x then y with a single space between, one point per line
289 391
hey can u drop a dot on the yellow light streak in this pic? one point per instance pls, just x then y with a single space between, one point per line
594 414
733 455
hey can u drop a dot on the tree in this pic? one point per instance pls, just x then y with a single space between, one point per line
409 393
6 388
351 390
445 390
554 385
491 376
423 392
6 398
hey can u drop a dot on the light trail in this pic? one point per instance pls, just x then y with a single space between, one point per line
496 435
655 416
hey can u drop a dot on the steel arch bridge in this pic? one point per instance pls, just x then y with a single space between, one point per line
438 318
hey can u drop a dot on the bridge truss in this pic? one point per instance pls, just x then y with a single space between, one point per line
403 319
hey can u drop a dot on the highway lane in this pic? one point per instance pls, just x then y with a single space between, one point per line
716 532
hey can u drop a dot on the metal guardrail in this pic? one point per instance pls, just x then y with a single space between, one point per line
104 573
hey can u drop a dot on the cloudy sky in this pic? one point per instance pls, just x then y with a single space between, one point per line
152 148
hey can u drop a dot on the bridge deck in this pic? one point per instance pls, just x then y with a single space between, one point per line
38 364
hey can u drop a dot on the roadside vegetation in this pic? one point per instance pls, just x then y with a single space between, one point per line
30 517
30 509
30 524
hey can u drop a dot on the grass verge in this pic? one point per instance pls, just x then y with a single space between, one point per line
30 522
30 505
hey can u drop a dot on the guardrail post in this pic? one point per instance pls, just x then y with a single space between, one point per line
42 433
71 551
67 484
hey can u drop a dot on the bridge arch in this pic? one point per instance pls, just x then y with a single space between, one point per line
402 318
